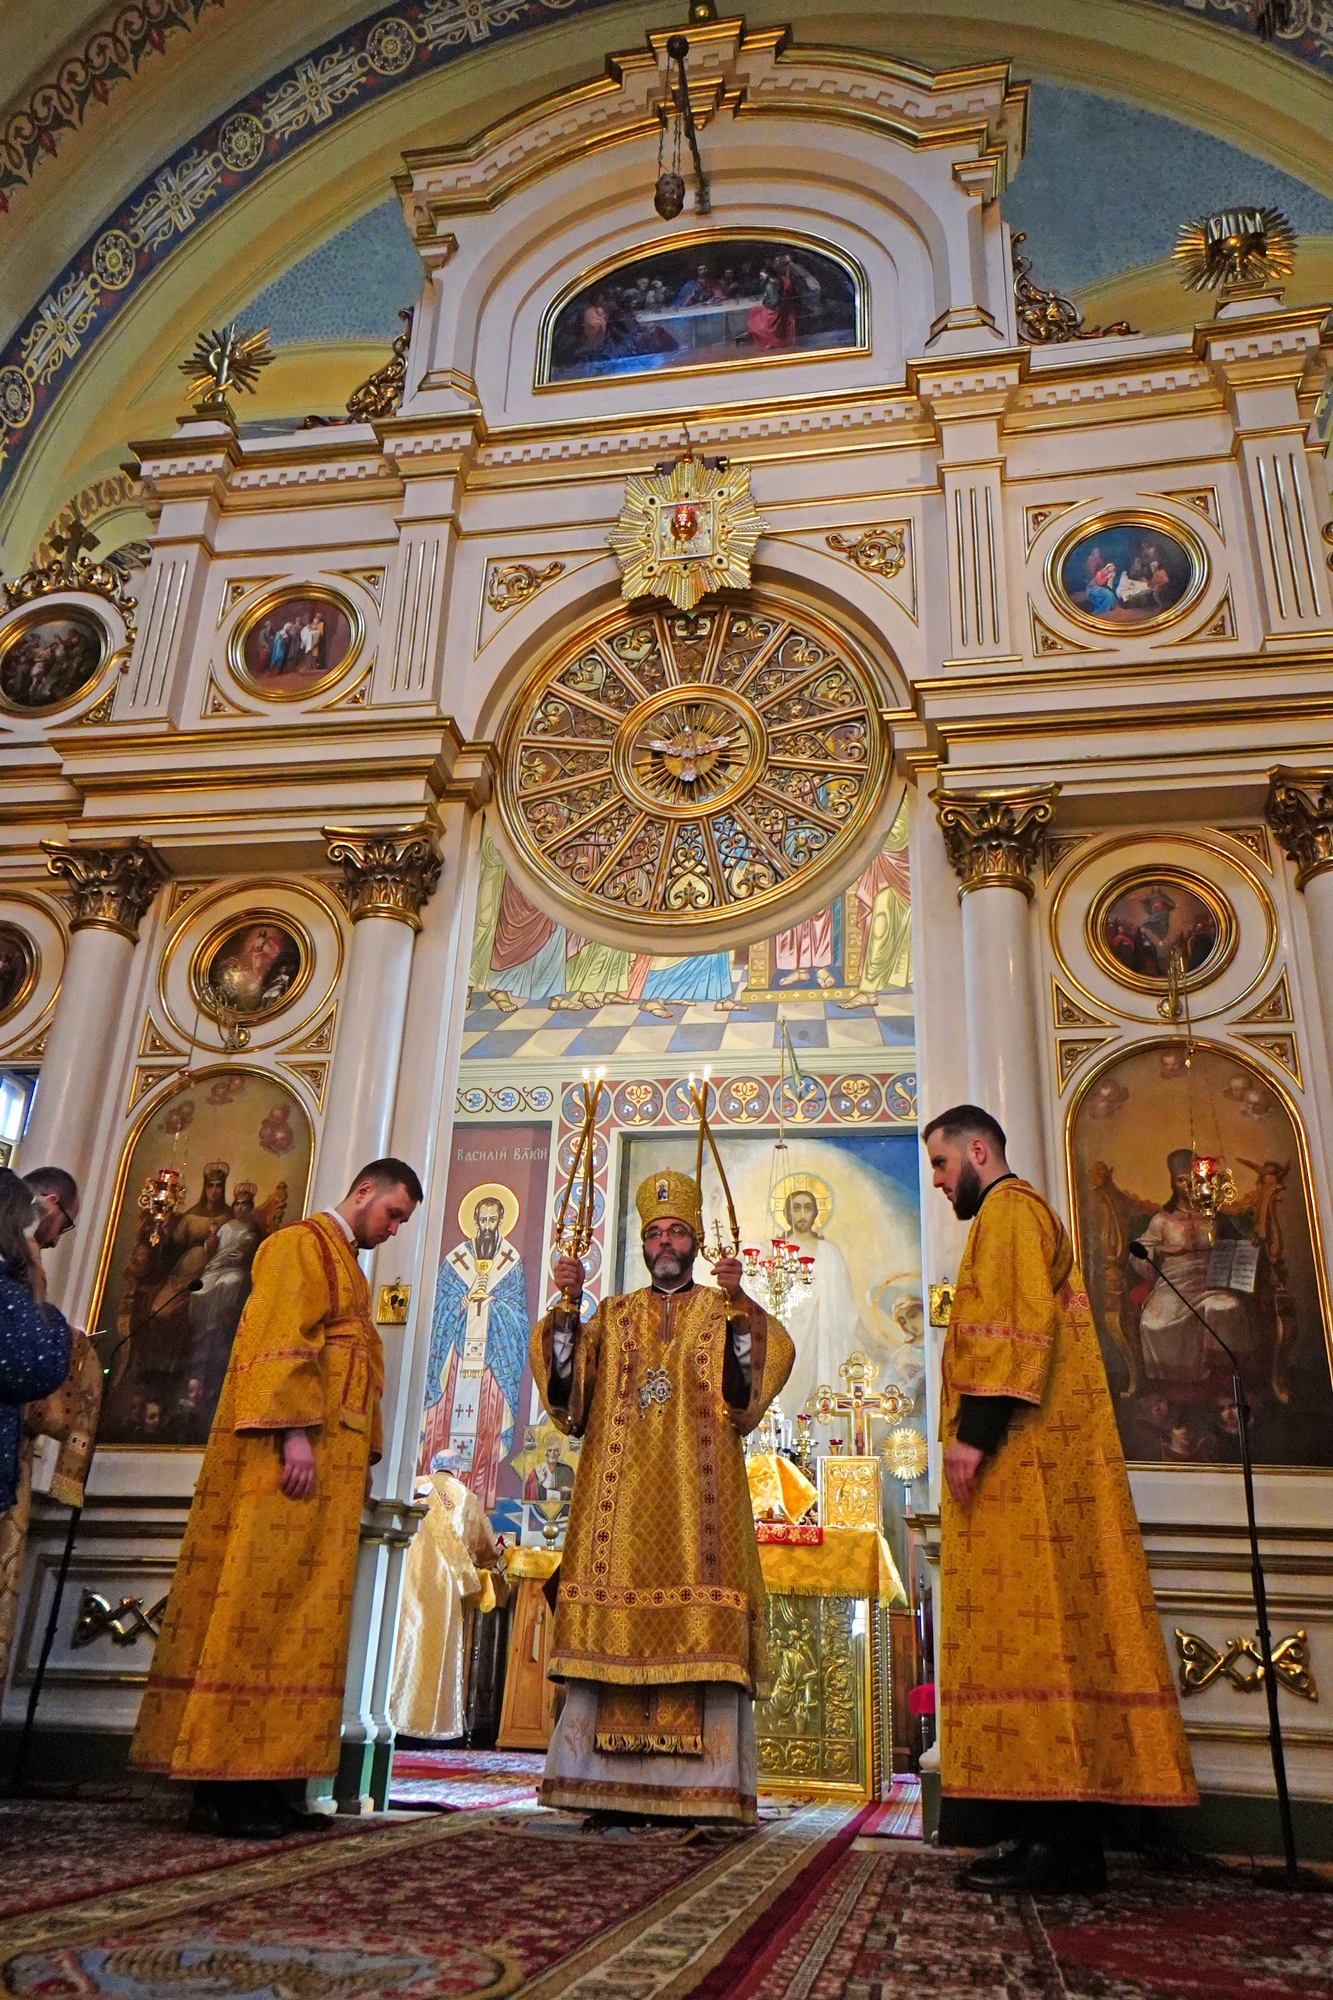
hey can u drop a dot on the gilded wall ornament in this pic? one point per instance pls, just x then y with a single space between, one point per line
686 531
73 571
1045 317
512 584
992 838
1240 1663
877 551
224 359
381 392
388 871
696 766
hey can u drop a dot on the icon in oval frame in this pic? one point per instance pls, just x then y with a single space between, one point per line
250 966
50 656
294 641
20 964
1139 919
1127 572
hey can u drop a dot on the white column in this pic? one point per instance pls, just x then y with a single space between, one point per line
110 889
992 841
388 874
422 1125
1300 811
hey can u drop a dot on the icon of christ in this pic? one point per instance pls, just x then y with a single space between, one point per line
479 1342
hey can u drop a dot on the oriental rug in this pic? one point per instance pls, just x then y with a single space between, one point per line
463 1780
465 1906
891 1924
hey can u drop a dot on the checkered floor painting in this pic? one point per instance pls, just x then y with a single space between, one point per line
678 1027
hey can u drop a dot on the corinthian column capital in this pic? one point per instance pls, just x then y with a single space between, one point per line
1299 808
992 837
388 871
109 887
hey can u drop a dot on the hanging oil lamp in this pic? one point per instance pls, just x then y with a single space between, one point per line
160 1198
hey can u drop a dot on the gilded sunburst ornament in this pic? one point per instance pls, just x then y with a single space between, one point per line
687 531
1237 246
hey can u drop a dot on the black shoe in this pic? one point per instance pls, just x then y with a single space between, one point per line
993 1861
1040 1869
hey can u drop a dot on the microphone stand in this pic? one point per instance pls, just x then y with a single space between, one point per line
1293 1877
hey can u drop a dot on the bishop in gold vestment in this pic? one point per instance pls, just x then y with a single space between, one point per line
660 1621
247 1677
1054 1685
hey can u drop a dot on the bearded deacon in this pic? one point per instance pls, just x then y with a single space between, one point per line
1055 1695
660 1624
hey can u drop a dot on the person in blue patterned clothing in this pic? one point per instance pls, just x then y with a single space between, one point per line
34 1335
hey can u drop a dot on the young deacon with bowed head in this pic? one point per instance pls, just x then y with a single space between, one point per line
246 1686
1055 1695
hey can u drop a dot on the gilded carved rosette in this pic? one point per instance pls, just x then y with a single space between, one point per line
110 888
1299 808
992 838
388 871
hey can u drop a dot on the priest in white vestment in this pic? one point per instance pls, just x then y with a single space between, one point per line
441 1575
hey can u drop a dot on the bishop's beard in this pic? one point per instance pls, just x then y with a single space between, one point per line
667 1268
967 1195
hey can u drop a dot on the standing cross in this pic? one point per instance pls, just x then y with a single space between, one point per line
860 1400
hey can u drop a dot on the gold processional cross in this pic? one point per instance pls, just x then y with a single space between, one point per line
860 1400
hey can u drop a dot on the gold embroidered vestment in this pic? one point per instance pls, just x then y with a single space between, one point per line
660 1579
247 1677
1053 1678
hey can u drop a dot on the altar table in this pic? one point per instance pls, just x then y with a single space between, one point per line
825 1729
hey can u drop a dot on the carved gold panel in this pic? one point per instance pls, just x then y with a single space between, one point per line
823 1727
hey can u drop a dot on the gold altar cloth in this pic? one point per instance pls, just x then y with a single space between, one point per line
530 1564
852 1562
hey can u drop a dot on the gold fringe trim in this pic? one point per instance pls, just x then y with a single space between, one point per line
649 1746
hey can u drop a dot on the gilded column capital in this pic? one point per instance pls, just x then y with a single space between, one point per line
1299 808
109 887
388 871
992 837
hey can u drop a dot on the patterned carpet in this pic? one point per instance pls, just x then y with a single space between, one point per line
442 1908
819 1903
463 1780
892 1925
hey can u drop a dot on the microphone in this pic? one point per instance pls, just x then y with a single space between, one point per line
1145 1256
1292 1875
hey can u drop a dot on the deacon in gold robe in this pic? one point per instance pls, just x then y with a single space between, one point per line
660 1623
453 1564
246 1686
1055 1695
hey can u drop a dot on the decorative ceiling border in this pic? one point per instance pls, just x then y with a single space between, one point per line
394 46
110 56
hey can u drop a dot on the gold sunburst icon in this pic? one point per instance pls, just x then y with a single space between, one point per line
686 531
1235 247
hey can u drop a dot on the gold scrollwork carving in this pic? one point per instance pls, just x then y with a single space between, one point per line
1240 1663
878 551
124 1624
512 584
381 393
388 871
109 887
992 838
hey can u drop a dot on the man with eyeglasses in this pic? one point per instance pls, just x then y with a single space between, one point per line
57 1196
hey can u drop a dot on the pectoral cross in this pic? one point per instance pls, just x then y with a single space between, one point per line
860 1401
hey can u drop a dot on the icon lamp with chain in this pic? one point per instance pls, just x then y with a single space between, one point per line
1211 1185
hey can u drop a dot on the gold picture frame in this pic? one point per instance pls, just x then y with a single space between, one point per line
31 957
710 240
1199 902
292 592
47 612
210 944
1116 527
